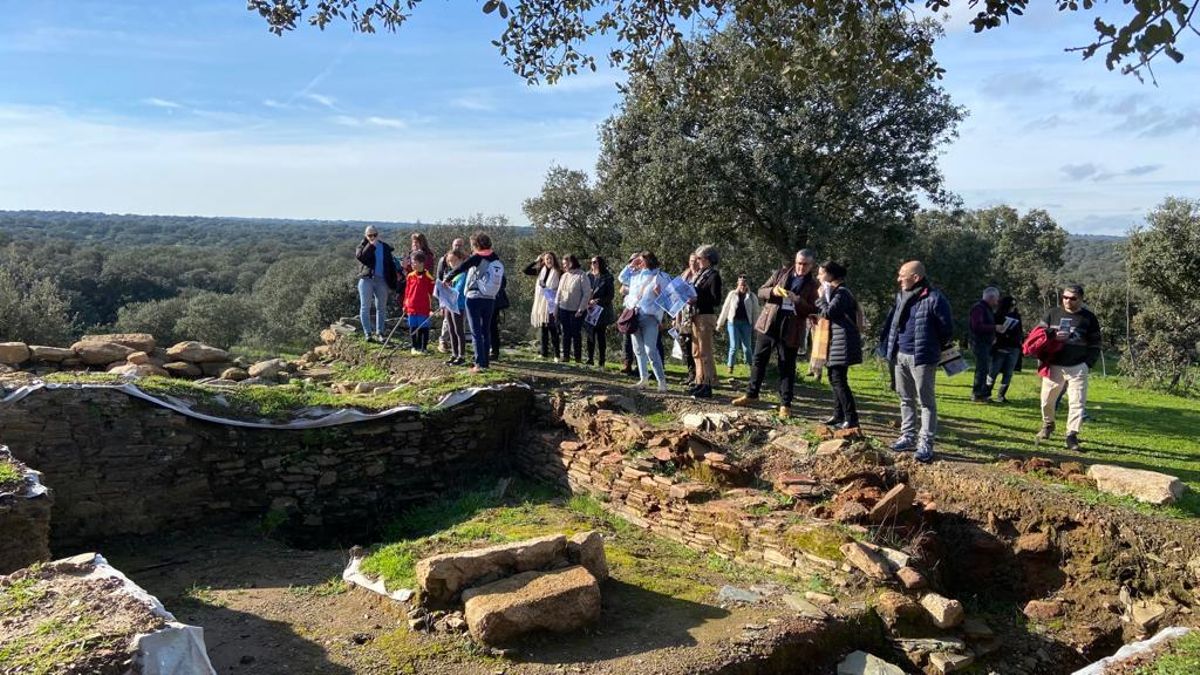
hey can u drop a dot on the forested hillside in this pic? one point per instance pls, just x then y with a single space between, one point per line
229 281
1092 259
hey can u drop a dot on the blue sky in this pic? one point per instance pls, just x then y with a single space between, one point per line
194 108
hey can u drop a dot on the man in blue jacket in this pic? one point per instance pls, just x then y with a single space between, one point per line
911 339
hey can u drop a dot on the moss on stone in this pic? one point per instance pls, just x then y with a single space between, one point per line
822 541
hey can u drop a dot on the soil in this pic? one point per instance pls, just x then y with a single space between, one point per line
261 613
53 620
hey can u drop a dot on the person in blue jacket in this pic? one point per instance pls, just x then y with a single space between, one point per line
912 338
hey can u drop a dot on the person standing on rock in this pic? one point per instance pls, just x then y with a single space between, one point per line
788 297
485 278
1078 331
376 277
837 304
707 283
911 339
738 315
983 329
574 291
439 275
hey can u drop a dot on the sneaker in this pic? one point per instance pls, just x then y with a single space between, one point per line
924 452
981 399
832 421
744 400
703 391
1073 443
903 444
662 387
1001 399
557 360
1046 432
414 351
785 411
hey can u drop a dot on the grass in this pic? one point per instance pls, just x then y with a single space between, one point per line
53 645
328 588
1181 657
279 402
475 517
10 477
365 373
20 595
1130 427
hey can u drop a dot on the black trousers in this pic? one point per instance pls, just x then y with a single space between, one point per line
495 342
767 345
685 343
844 408
551 336
597 341
572 335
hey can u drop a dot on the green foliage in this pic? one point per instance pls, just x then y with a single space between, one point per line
571 215
20 595
545 40
53 646
156 317
9 474
712 147
1164 260
217 318
328 588
33 309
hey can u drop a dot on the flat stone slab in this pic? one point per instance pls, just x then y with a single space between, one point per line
1151 487
443 577
862 663
561 601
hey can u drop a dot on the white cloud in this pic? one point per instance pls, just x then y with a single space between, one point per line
161 103
272 103
347 121
127 166
475 103
387 122
321 99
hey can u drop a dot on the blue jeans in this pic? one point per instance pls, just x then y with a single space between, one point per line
645 346
1003 361
368 288
739 336
983 368
479 314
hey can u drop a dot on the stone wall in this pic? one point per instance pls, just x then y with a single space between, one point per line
589 448
122 466
24 519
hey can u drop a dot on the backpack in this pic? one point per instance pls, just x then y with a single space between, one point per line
488 278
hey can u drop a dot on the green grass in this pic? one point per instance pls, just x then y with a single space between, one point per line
53 645
476 518
9 475
1130 427
328 588
365 373
278 402
1181 657
20 595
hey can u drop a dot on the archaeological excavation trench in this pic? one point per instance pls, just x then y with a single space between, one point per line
933 568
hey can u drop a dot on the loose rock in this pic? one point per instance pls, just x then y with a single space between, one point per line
1151 487
944 612
560 601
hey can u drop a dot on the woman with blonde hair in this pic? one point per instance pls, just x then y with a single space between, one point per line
544 313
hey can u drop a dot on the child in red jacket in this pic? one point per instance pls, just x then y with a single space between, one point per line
418 302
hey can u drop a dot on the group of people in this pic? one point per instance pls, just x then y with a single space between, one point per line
476 285
801 303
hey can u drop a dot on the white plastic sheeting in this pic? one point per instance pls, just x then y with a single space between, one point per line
307 418
174 649
1134 649
352 575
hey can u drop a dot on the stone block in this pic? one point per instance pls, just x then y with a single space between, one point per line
1151 487
96 353
587 549
138 342
443 577
893 503
561 601
862 663
874 565
13 353
943 611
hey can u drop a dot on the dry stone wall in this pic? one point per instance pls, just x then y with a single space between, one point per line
122 466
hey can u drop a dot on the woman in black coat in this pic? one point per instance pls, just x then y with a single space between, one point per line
836 303
603 291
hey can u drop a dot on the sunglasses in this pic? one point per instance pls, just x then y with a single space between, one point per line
1070 297
372 236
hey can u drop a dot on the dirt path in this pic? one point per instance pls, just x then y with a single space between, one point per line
269 609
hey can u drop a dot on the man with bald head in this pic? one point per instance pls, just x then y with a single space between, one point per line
911 339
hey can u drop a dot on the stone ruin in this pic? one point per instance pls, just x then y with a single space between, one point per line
901 545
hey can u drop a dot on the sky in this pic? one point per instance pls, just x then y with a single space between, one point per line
194 108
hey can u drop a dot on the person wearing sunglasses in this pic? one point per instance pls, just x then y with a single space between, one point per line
1078 331
376 279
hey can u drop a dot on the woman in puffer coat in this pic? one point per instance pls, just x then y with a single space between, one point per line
836 303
